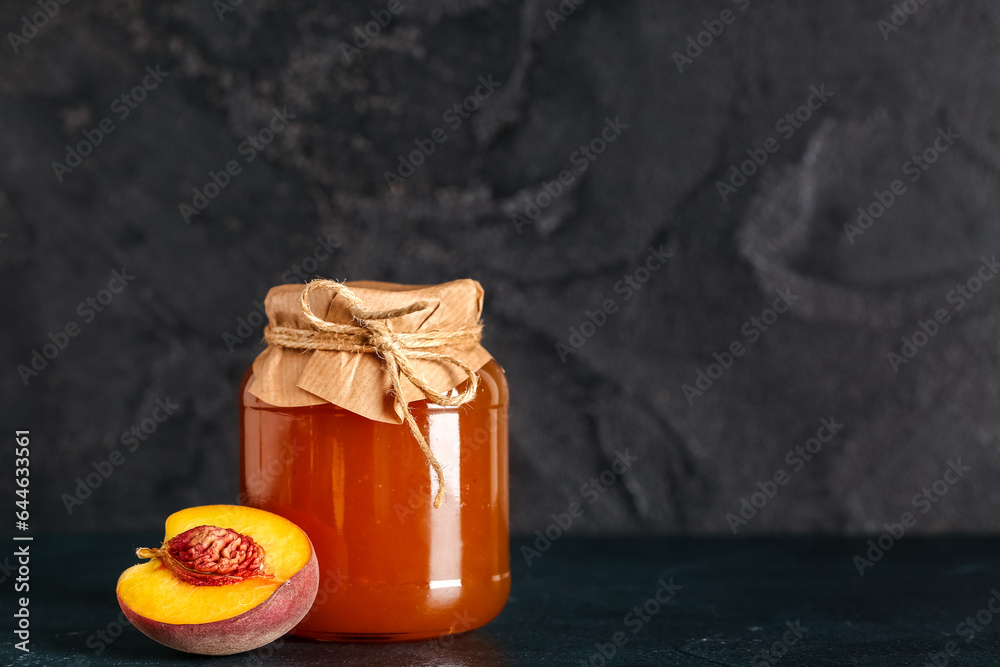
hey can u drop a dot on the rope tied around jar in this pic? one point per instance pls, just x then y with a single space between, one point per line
371 335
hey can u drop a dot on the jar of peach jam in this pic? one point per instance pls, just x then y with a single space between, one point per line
393 566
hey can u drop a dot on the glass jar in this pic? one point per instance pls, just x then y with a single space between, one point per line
392 566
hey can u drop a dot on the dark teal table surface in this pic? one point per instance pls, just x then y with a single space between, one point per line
594 602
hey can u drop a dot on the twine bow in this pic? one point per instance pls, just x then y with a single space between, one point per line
371 335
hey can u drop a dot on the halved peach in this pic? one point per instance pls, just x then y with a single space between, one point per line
228 579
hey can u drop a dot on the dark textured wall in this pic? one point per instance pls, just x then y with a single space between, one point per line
880 95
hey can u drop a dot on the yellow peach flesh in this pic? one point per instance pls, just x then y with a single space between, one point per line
151 591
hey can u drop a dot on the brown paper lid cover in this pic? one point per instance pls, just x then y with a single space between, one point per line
357 381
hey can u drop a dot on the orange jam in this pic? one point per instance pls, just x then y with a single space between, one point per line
392 567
